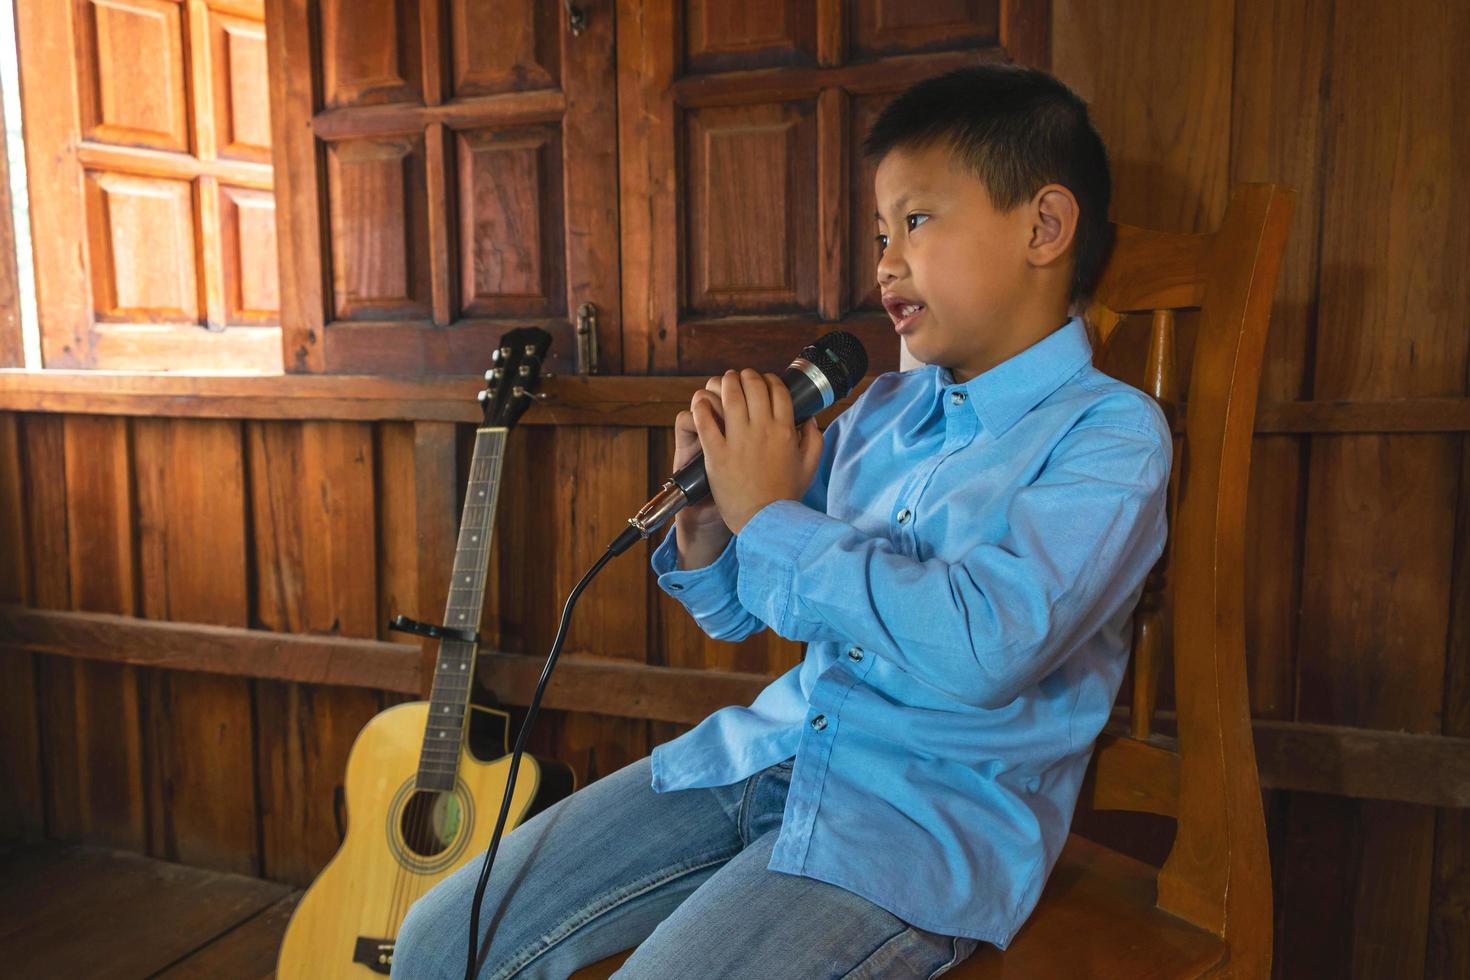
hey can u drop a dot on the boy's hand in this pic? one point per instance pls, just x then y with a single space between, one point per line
760 456
703 515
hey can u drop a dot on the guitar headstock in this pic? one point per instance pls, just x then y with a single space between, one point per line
510 384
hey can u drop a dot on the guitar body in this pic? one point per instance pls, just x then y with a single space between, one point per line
399 845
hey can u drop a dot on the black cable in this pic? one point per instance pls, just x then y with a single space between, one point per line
622 544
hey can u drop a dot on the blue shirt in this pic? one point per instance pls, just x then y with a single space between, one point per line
963 569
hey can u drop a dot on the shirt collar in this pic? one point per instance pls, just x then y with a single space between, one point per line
1006 392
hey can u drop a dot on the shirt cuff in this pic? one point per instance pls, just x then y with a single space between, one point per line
709 592
768 548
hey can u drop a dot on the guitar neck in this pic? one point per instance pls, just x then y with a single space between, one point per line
454 669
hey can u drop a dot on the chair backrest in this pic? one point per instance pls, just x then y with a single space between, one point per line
1192 611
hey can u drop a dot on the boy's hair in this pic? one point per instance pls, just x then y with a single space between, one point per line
1016 129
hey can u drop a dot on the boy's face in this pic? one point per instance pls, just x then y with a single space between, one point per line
943 244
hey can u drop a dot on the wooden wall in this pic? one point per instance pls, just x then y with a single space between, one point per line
1358 587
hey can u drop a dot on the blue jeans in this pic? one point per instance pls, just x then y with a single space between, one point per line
681 875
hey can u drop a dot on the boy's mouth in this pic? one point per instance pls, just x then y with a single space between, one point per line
903 310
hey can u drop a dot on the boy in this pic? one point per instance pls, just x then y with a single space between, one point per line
961 551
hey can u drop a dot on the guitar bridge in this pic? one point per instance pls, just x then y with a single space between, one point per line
375 954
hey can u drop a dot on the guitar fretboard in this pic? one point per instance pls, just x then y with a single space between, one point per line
455 667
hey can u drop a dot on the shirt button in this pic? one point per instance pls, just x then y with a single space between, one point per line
819 722
956 397
904 515
676 586
855 654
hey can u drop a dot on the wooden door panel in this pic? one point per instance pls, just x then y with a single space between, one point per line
370 52
378 214
240 95
765 238
751 197
141 248
526 54
130 60
129 171
861 286
768 34
461 188
248 242
883 28
510 222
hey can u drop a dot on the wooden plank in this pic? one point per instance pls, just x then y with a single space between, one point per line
1381 556
438 492
608 469
46 42
294 160
437 153
80 911
1431 770
1280 59
1161 114
319 543
648 232
590 183
833 201
21 812
265 654
611 400
12 342
192 557
1025 32
246 952
89 711
507 108
1448 953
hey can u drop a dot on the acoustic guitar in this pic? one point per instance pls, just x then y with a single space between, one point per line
425 780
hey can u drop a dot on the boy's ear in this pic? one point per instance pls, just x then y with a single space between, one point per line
1053 212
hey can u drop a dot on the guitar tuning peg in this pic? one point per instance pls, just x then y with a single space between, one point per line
484 395
524 370
490 376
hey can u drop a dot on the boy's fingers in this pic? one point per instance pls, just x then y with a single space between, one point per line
811 443
781 410
757 395
706 424
732 395
710 398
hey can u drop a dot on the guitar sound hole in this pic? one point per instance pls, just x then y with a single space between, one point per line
430 822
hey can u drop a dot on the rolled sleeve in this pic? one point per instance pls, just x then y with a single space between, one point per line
769 549
708 593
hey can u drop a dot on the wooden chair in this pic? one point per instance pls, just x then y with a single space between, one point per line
1207 912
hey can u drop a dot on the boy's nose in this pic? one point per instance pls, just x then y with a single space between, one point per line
890 266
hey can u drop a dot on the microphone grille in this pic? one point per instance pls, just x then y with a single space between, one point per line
841 357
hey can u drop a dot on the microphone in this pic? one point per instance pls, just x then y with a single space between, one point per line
822 374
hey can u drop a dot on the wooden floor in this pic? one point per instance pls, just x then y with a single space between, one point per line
68 910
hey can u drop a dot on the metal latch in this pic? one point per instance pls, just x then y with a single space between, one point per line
587 339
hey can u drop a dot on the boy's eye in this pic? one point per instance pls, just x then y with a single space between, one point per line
914 217
882 241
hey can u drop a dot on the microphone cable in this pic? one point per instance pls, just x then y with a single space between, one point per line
623 542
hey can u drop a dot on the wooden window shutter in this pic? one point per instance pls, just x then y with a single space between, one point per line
148 148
